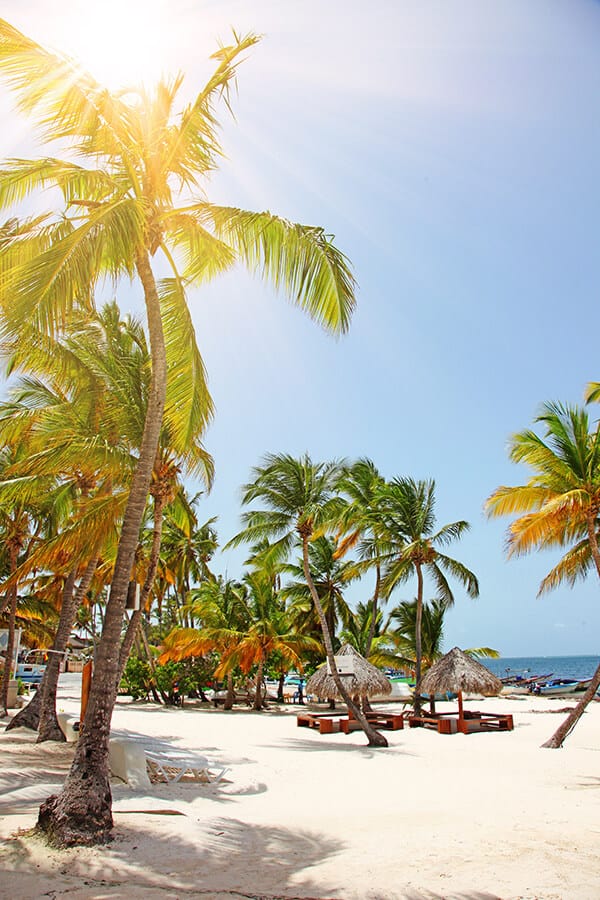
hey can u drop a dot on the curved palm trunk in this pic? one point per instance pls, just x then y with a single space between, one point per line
82 812
418 640
29 716
48 727
12 615
374 737
564 730
136 617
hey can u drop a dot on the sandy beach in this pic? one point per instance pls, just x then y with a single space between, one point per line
303 815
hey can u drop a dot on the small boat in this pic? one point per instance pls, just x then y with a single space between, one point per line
557 687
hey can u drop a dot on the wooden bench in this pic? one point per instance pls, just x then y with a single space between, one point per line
472 722
325 722
388 721
476 721
443 724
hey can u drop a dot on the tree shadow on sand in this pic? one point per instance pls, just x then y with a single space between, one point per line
221 857
338 746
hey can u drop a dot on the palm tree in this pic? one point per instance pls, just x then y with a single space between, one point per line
301 500
220 606
360 519
408 514
137 198
247 624
330 577
404 634
557 507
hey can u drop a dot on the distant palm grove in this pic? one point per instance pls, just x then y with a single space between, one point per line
102 429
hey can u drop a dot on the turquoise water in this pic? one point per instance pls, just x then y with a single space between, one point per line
579 667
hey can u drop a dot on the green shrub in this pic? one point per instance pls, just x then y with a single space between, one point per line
136 678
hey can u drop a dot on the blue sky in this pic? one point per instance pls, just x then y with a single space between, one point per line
452 148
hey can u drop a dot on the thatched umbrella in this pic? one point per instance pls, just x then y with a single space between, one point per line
458 672
364 680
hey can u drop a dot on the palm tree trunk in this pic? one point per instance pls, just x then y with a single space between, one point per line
230 692
82 812
564 730
258 704
160 502
154 686
12 615
49 729
374 737
418 640
374 605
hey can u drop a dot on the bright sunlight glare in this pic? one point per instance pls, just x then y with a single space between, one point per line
120 42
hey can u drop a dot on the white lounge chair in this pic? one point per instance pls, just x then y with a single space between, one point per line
172 767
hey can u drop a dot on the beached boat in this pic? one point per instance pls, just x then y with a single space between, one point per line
557 687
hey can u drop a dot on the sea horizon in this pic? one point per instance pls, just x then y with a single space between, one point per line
569 666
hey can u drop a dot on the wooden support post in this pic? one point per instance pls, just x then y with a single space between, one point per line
86 684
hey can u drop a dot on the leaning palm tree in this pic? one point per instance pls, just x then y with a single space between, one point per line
414 549
558 507
135 199
330 575
301 501
361 523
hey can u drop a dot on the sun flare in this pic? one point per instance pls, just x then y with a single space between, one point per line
120 42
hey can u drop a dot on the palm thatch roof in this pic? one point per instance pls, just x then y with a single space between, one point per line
365 682
458 672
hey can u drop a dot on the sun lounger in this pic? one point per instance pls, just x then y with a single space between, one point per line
127 761
171 768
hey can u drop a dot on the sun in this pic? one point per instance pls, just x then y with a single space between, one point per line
120 42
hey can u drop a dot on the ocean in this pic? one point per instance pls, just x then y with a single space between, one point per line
580 667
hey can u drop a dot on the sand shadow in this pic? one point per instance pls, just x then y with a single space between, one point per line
341 746
222 857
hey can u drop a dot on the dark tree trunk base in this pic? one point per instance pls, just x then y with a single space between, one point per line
50 730
377 740
29 716
78 824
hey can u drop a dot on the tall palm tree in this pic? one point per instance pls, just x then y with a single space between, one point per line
330 577
220 607
409 517
246 632
403 634
301 500
361 521
139 196
558 507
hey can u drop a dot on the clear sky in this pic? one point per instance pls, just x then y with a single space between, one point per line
453 148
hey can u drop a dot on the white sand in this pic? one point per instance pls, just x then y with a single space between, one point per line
307 815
